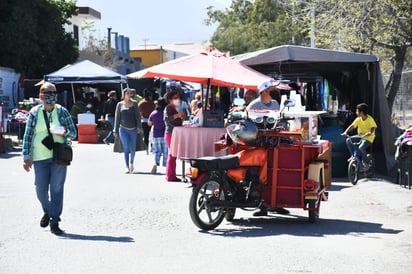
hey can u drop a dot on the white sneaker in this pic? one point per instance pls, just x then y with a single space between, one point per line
131 168
127 171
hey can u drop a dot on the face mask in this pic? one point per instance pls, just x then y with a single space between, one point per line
176 102
50 99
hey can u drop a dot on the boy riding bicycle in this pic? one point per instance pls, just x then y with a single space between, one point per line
366 126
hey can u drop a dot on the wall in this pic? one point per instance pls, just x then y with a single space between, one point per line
150 57
9 88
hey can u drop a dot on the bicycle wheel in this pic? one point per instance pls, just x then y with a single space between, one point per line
353 172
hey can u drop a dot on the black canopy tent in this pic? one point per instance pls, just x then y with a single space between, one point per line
357 76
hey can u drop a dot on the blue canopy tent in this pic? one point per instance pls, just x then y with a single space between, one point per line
85 72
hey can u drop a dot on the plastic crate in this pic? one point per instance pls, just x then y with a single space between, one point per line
86 129
90 138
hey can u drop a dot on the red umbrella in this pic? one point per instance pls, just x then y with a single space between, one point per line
209 68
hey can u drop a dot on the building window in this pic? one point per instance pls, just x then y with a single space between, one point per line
76 33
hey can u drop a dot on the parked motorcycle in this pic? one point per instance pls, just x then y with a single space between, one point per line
252 175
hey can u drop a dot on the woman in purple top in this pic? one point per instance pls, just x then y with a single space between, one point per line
172 118
158 130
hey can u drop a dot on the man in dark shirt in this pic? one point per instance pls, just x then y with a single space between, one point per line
109 110
146 106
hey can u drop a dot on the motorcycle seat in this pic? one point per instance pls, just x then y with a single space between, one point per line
216 163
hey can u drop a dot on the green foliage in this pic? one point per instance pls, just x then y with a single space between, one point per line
379 27
32 36
252 25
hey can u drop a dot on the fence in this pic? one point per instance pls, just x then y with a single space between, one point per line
402 107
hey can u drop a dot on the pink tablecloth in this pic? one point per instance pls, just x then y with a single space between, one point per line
194 142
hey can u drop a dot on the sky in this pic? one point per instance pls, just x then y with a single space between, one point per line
155 22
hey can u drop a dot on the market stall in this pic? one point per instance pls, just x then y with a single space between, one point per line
193 142
85 72
212 68
333 81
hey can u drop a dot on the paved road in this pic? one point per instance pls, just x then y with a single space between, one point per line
138 223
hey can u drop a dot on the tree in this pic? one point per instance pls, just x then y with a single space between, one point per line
96 48
32 36
248 26
380 27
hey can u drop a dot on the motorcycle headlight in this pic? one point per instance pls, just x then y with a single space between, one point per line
259 120
270 120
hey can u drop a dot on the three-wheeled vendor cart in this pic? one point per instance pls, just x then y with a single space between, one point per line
279 170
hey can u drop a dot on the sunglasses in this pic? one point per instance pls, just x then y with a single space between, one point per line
46 92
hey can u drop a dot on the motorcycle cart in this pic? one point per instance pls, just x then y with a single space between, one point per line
278 170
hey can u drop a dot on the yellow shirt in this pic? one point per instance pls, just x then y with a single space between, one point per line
364 126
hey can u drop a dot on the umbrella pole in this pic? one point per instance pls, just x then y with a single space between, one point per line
74 97
207 94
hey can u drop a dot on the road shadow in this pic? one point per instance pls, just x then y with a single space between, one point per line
299 226
148 173
11 154
339 187
102 238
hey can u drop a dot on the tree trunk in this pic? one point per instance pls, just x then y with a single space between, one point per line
393 84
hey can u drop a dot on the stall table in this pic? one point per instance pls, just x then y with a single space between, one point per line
194 142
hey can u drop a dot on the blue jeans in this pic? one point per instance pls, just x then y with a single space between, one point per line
128 137
49 178
160 149
109 137
363 146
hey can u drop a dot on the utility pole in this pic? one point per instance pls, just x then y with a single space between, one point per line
109 38
145 42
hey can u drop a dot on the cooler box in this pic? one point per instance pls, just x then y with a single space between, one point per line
86 129
86 118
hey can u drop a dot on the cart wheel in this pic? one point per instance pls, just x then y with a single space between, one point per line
369 173
230 214
313 214
204 215
353 172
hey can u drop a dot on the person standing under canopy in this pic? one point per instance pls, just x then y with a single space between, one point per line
109 110
146 106
172 118
265 101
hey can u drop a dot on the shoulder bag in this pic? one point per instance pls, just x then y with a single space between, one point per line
62 152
